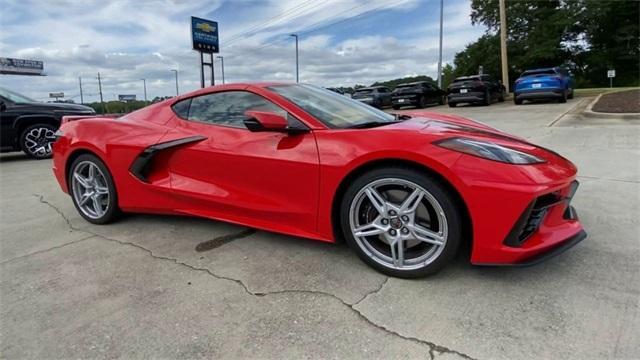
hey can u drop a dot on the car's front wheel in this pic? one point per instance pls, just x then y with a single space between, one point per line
92 189
36 140
401 222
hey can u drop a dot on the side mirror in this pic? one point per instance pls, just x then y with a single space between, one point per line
268 121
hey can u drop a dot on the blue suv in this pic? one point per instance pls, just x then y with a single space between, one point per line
546 83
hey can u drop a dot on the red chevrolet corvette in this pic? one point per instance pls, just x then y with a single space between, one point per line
405 191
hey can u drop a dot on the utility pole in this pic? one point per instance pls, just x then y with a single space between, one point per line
81 97
176 72
297 67
144 82
222 64
440 52
100 90
503 46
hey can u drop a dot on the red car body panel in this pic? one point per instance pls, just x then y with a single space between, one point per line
289 183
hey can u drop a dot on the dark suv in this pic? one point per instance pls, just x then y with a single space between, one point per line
419 94
29 125
376 96
476 89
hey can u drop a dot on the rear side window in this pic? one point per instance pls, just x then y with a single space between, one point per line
181 108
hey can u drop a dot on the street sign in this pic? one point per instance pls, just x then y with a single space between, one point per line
126 98
12 66
56 95
611 73
204 35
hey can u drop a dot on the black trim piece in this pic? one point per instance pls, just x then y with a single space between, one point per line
513 238
142 164
535 260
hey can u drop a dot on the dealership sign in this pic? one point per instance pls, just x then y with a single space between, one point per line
611 73
20 66
204 35
126 98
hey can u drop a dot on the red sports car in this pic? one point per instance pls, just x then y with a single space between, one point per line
405 191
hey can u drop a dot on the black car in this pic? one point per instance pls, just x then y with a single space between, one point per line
476 89
376 96
419 94
29 125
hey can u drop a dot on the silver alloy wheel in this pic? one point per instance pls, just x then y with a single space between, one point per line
398 224
38 141
90 190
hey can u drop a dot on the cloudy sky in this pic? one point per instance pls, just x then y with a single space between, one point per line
342 42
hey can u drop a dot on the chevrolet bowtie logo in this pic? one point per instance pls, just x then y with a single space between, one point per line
205 27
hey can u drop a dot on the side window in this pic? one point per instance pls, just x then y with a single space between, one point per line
228 108
182 108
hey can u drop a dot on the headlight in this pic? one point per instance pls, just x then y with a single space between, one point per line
488 150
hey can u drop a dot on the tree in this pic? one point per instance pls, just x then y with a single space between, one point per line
447 75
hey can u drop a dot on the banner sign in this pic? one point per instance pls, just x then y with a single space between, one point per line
56 95
126 98
204 35
20 66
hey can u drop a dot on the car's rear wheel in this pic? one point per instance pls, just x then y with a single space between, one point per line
36 140
396 107
563 99
92 190
487 98
401 222
452 104
516 100
422 102
570 94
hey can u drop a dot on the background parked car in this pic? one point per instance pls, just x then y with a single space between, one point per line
419 94
336 90
546 83
376 96
476 89
29 125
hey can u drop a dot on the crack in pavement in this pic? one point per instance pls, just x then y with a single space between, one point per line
608 179
432 346
48 249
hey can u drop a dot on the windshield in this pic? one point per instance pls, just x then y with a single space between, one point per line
15 97
364 91
465 79
334 110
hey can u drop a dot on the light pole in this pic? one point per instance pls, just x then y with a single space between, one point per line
440 52
503 46
222 64
297 68
176 72
144 83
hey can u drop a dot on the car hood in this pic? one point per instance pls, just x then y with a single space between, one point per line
444 125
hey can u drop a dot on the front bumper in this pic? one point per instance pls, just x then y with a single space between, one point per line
535 94
518 213
470 97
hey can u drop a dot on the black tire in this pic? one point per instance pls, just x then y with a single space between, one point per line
452 104
563 99
570 94
487 98
422 102
433 186
396 107
112 211
36 146
517 101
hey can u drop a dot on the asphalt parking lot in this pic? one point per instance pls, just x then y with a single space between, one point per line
177 287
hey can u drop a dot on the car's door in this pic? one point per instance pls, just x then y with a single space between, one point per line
7 118
236 174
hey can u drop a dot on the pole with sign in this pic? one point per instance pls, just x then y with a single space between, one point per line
611 74
204 36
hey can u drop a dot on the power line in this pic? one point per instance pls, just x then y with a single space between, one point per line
271 21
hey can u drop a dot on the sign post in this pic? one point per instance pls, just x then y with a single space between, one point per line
611 74
204 36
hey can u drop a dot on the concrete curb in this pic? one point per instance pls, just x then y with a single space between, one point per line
621 116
